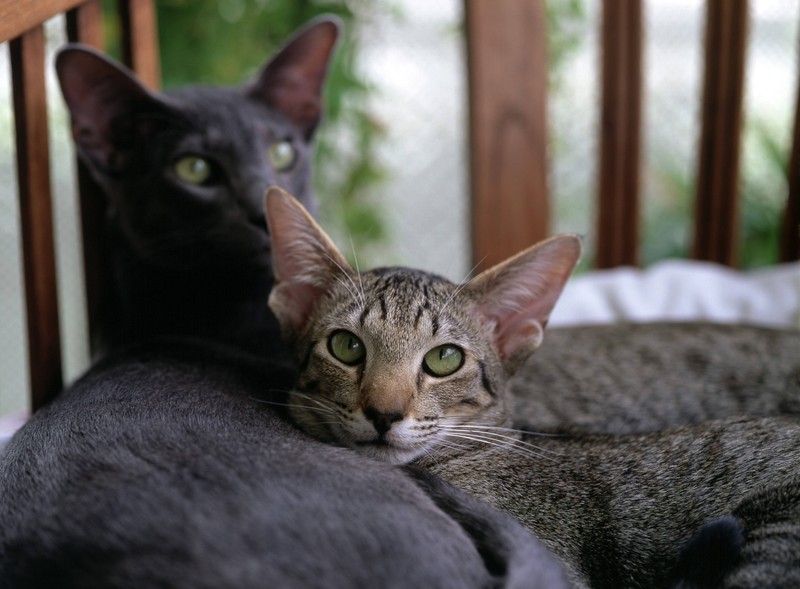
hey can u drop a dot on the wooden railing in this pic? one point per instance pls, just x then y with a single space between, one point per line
22 25
506 52
508 138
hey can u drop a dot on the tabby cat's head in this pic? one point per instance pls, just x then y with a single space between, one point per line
185 171
396 362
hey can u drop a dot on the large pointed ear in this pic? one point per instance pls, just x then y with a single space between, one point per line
293 80
515 298
103 98
305 261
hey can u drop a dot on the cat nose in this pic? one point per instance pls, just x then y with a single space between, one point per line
382 421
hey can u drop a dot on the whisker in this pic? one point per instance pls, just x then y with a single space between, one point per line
358 273
348 288
460 287
320 405
349 278
511 445
295 406
505 429
499 435
453 423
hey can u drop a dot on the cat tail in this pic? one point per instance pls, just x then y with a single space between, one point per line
710 555
513 556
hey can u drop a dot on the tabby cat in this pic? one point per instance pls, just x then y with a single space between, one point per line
404 366
184 174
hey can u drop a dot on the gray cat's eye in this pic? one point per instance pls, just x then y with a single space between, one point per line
346 347
443 360
281 155
193 169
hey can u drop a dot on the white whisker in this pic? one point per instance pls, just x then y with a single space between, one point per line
464 282
358 273
505 429
349 278
510 444
500 433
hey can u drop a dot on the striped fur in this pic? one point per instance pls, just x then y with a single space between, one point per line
706 505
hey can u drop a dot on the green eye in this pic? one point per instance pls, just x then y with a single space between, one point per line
193 169
443 360
346 347
281 156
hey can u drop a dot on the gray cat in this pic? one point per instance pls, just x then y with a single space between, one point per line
184 173
407 367
169 466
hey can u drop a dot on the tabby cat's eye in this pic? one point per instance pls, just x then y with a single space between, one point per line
443 360
193 169
346 347
281 155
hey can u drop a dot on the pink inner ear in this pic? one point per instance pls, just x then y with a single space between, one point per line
524 334
295 95
293 303
305 261
517 296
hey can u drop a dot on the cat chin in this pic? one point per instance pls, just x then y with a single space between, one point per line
388 453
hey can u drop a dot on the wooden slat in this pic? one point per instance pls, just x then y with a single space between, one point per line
33 170
85 25
507 67
717 211
790 230
140 39
18 16
620 131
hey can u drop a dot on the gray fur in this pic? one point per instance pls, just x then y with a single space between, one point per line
165 467
192 258
645 377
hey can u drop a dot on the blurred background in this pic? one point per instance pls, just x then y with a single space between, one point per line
391 160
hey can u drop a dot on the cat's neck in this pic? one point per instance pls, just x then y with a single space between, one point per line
221 303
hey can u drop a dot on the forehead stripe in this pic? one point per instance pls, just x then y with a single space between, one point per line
485 380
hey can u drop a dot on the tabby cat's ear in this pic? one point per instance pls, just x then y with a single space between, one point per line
293 79
103 98
305 261
515 298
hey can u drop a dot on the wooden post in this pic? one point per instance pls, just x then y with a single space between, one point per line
716 206
620 132
790 230
507 70
33 171
139 32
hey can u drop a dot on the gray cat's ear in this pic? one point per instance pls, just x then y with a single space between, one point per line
514 299
305 261
293 80
103 98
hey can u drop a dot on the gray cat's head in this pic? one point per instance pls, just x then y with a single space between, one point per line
398 363
185 171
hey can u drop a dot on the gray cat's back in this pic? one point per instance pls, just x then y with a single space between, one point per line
161 469
628 378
